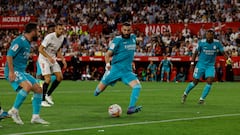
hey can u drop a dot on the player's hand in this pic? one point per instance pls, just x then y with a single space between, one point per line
51 60
108 67
11 76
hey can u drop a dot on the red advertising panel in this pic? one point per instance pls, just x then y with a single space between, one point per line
173 28
15 22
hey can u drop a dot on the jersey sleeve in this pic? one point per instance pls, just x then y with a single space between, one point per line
198 47
14 48
114 44
46 40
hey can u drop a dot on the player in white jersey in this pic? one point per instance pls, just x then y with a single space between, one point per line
49 50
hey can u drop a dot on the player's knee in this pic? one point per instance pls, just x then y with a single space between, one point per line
27 87
137 86
47 80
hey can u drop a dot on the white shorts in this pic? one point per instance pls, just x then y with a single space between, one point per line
47 67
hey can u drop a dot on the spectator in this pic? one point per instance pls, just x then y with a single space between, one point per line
219 72
181 76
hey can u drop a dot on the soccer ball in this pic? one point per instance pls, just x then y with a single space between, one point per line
114 110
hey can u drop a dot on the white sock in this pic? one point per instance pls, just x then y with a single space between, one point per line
35 116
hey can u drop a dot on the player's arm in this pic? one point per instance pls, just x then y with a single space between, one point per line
11 74
108 56
194 56
224 53
159 66
43 52
171 65
12 52
59 54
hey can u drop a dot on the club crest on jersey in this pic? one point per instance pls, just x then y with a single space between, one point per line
111 46
15 47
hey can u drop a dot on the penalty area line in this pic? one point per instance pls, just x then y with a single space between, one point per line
127 124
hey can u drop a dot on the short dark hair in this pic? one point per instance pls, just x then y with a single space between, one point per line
30 27
59 24
126 24
51 25
211 31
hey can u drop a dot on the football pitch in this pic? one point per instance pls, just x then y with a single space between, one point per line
77 111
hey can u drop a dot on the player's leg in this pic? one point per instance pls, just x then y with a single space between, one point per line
198 72
167 72
134 83
55 83
59 77
36 103
46 73
22 86
47 81
162 73
210 73
109 78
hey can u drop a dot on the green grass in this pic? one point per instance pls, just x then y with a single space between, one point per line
77 110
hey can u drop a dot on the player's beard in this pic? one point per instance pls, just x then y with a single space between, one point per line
210 40
126 36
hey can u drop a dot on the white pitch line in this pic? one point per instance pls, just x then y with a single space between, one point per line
127 124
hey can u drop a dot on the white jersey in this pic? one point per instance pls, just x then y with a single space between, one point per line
52 43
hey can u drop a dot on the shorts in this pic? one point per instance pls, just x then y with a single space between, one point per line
165 69
48 68
208 71
21 77
39 72
114 75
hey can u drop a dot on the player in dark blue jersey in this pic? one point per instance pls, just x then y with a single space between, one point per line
206 51
121 50
22 82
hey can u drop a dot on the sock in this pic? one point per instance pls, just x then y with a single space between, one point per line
35 116
36 103
53 78
21 96
53 87
97 91
162 73
168 76
190 86
135 94
206 90
45 87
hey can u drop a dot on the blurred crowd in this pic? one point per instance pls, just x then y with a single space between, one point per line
112 12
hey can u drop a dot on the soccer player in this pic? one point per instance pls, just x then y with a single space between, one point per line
206 51
48 52
50 28
166 67
22 82
152 68
122 49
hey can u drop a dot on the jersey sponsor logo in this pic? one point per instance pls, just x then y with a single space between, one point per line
15 47
130 47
